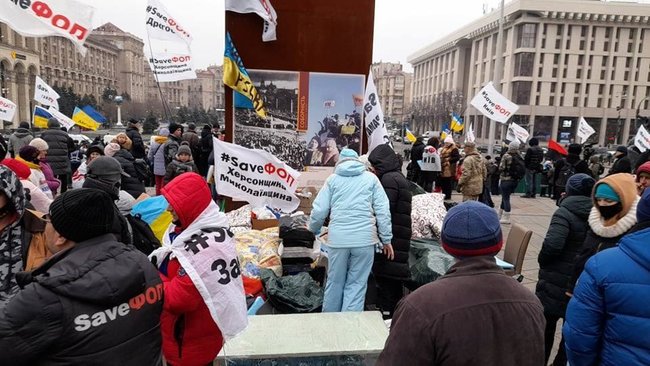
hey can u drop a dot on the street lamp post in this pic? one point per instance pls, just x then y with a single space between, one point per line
638 112
618 121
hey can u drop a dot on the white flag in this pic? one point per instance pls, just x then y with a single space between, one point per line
172 66
642 139
375 126
469 136
44 94
494 105
518 132
263 8
584 130
70 19
7 109
254 176
162 26
63 119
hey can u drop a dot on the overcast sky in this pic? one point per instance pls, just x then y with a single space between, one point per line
401 26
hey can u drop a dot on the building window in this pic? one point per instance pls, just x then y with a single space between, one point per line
527 35
564 72
593 45
578 73
606 46
551 100
558 43
583 31
628 62
604 63
602 75
581 60
582 45
559 30
608 32
556 59
554 72
521 92
589 73
553 87
524 63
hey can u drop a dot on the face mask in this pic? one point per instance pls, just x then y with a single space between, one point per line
607 212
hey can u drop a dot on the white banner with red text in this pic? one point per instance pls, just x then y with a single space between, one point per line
374 116
254 176
7 109
493 105
169 67
44 94
162 26
263 8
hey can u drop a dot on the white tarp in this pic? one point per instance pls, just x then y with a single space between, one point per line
7 109
70 19
44 94
642 139
494 105
263 8
254 176
375 125
584 130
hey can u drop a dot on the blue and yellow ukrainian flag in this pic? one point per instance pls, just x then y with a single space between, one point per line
409 135
82 119
446 131
457 123
236 77
41 115
98 117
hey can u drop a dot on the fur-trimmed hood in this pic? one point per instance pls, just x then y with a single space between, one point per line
621 226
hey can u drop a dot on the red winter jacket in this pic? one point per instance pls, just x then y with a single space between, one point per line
190 335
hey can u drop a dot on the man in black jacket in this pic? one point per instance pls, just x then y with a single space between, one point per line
416 154
173 143
566 167
95 302
533 160
137 147
58 156
622 164
390 274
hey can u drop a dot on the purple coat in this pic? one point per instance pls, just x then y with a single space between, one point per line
52 182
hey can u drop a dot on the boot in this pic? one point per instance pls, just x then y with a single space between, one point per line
505 218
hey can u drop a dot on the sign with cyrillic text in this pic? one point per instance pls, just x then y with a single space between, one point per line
584 130
519 132
172 67
642 139
375 125
70 19
254 176
7 109
44 94
162 26
493 105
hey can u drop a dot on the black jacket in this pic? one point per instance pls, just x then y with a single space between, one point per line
563 241
98 303
581 166
137 148
533 158
621 165
60 146
416 153
388 168
131 184
645 156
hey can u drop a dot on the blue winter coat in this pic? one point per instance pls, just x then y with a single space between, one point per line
608 318
357 205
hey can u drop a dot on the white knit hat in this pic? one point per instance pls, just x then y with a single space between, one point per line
40 144
449 140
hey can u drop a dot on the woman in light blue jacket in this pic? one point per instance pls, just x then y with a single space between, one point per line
359 222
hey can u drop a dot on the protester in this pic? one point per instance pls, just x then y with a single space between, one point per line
622 163
21 137
495 177
170 148
608 318
613 215
416 155
80 306
643 177
533 160
596 167
12 206
564 168
33 194
475 300
449 157
43 148
192 139
138 149
205 148
79 176
182 163
157 158
190 334
60 146
130 181
508 182
431 166
643 158
3 146
547 185
28 155
474 173
390 274
562 243
360 221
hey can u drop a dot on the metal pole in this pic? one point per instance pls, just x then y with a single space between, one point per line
498 73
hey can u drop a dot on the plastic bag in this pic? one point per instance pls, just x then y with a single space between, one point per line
428 261
293 294
294 232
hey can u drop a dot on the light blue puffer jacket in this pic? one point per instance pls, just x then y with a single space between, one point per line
357 204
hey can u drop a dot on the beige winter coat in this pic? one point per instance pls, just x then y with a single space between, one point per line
474 173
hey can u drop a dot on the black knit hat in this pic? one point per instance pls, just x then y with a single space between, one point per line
82 214
173 127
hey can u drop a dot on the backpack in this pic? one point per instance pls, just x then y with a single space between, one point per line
565 173
142 169
142 236
517 167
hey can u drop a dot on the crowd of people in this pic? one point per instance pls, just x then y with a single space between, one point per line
290 150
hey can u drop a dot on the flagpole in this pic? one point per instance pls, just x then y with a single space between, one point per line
155 75
498 73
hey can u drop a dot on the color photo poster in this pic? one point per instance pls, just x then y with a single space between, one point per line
311 117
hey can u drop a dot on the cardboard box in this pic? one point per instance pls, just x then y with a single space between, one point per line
264 224
306 202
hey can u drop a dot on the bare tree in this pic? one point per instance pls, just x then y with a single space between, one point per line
430 114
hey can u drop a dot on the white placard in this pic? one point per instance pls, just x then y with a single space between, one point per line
44 94
642 139
584 130
519 132
162 26
494 105
263 8
7 109
375 125
172 66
